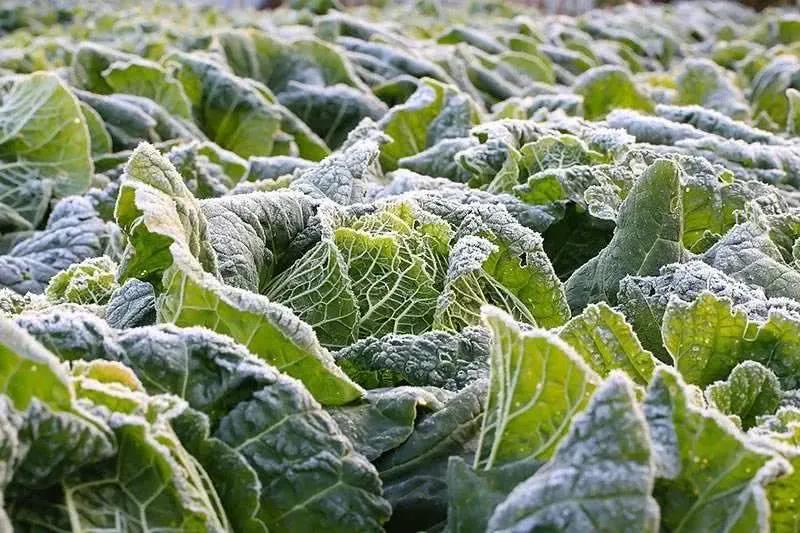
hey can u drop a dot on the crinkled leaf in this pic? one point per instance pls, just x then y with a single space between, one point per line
709 476
435 358
607 342
750 391
74 232
600 478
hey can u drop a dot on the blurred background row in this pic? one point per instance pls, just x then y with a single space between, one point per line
549 6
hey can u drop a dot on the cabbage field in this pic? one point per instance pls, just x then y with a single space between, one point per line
417 267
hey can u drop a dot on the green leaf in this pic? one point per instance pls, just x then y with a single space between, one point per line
74 232
99 138
267 227
167 233
469 286
609 87
537 384
435 358
600 478
236 394
551 151
781 432
703 82
748 254
750 391
710 336
271 331
440 160
155 210
343 176
151 483
145 78
296 497
126 122
793 114
331 112
44 144
648 235
318 289
712 205
474 494
607 342
227 108
704 337
235 481
278 62
131 305
507 267
30 372
414 474
393 266
90 61
643 299
768 92
434 112
384 418
710 476
56 435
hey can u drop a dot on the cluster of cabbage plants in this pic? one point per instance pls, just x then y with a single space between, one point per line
409 268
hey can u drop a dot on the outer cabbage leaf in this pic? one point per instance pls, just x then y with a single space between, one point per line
606 88
709 476
768 91
434 112
343 176
384 419
474 494
469 286
648 236
74 232
131 305
711 121
99 138
600 477
151 482
710 336
781 432
750 391
277 62
44 145
266 226
747 253
232 113
145 78
415 474
607 342
537 383
643 299
251 411
55 435
331 112
703 82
